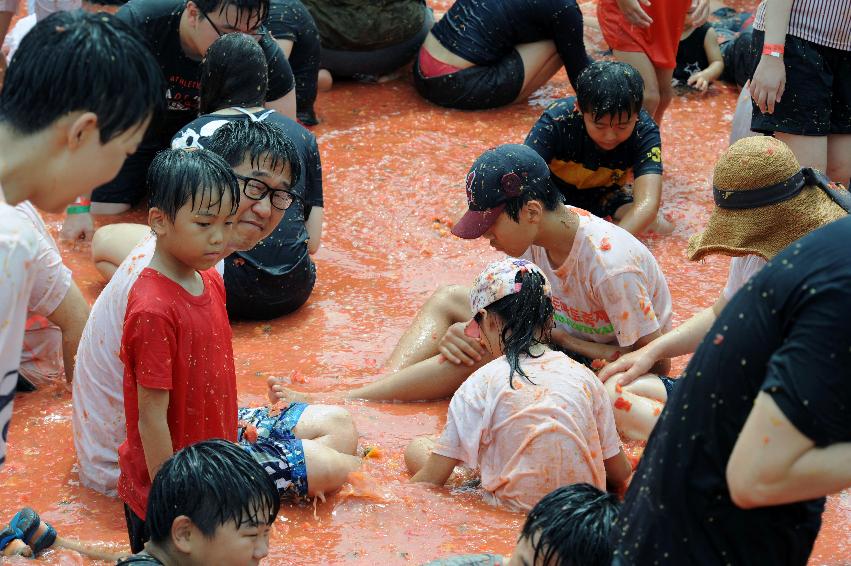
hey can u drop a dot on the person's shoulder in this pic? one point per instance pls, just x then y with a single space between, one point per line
148 12
16 232
615 249
149 293
138 559
563 110
646 125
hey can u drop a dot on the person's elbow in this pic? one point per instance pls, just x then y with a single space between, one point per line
749 489
313 245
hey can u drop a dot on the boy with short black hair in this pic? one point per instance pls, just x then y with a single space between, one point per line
211 499
179 376
67 122
593 141
570 526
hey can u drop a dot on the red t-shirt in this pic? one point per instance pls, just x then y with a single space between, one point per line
175 341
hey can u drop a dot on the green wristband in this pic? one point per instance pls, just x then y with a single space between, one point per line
78 209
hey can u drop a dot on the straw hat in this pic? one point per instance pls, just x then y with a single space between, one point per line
755 171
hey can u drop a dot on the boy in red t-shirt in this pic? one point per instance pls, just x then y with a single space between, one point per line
179 376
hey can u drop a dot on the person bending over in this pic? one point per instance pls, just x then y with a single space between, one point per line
610 296
178 33
208 501
764 175
67 123
277 275
570 526
530 420
484 55
595 140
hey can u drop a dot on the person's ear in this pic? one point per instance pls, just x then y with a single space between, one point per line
158 221
533 211
193 12
182 531
81 130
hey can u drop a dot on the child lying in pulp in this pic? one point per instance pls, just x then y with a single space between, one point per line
531 420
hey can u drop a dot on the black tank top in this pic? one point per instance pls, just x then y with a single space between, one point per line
691 56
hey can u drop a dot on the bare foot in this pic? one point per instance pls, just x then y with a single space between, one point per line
661 226
277 393
17 548
324 80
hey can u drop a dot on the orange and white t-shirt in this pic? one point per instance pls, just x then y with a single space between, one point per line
610 288
553 431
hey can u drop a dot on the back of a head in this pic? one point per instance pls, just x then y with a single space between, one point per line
259 143
610 88
572 526
211 482
254 11
233 73
178 176
81 62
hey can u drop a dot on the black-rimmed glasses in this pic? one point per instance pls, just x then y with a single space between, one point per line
257 33
255 189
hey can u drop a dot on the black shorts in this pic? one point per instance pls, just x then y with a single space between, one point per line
256 294
137 530
817 97
371 65
476 88
738 59
600 202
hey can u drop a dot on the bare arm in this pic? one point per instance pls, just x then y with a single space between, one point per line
314 229
437 470
772 463
286 105
153 427
702 79
618 471
647 192
608 352
70 316
286 46
769 78
681 341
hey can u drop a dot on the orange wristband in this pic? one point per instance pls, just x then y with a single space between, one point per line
773 50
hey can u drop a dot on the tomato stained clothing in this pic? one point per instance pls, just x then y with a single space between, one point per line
41 357
787 334
181 343
578 165
659 41
554 429
609 290
18 271
741 269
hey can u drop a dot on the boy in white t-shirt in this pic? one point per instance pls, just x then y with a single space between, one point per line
764 202
532 419
67 123
609 294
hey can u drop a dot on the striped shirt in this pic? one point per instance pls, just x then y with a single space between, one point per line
824 22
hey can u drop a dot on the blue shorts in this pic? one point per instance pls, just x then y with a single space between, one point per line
668 383
277 449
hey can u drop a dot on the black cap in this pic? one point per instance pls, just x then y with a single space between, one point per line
498 175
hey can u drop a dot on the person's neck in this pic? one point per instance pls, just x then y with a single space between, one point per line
557 232
179 272
229 110
21 157
161 554
187 44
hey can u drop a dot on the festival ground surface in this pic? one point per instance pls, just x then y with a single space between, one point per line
394 177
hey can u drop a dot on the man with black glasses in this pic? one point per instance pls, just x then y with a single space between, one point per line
178 33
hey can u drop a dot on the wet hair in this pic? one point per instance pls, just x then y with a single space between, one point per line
260 143
610 88
81 62
546 193
212 482
572 526
527 319
178 176
255 10
233 73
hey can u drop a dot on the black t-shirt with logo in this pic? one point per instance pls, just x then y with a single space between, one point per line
787 332
158 21
577 163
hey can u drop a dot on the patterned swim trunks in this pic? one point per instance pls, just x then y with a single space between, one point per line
277 449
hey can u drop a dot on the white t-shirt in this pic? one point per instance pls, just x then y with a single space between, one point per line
741 270
529 440
610 288
18 272
41 357
98 390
